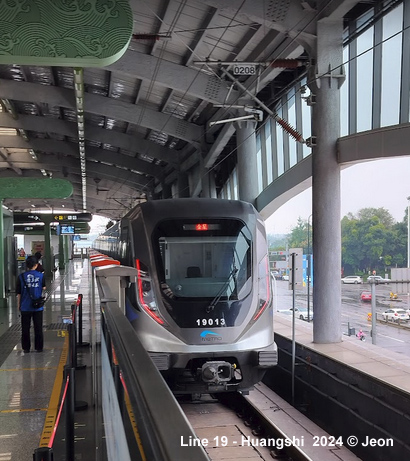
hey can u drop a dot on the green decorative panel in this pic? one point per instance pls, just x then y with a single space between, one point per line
74 33
35 188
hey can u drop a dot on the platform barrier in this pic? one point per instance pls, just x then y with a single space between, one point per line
68 399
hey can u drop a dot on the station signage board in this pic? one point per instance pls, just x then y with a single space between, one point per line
26 218
82 217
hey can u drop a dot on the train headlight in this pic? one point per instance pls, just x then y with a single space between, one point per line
146 297
264 288
217 372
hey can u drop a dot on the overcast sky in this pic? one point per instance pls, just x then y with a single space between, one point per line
376 184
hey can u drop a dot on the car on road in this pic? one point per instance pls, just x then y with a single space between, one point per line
300 313
285 277
352 279
395 315
377 279
406 310
366 296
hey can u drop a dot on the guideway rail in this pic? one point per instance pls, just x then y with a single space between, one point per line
156 420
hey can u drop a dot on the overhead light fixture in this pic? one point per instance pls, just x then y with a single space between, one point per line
79 99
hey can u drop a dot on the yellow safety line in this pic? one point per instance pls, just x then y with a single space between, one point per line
21 410
54 399
28 369
134 425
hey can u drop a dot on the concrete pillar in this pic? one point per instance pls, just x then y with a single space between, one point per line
48 258
3 299
183 185
61 258
208 184
166 191
326 183
247 164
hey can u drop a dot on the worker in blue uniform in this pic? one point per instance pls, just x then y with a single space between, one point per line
30 286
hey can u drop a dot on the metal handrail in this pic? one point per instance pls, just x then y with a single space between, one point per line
161 423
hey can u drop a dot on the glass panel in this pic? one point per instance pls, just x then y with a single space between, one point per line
259 161
344 97
228 189
391 67
364 81
207 270
269 162
279 137
235 184
292 120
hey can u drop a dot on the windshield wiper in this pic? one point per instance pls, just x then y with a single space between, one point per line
215 301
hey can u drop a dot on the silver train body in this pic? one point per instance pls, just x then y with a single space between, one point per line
202 304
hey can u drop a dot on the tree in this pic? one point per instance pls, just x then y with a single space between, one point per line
371 240
298 237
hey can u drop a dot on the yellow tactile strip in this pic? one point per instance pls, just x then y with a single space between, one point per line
54 399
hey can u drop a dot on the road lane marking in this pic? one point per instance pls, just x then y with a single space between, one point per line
394 339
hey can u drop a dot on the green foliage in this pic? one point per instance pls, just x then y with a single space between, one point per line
372 240
301 236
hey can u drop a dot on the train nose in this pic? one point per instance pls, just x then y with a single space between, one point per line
217 372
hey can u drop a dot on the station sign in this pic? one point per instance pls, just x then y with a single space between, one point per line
77 228
22 218
26 218
83 217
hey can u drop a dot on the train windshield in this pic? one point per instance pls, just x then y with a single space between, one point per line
204 269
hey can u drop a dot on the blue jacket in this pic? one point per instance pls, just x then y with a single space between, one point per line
35 282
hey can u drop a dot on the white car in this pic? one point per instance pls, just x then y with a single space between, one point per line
300 313
395 315
377 279
352 279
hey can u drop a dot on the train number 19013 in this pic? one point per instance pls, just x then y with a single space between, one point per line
210 322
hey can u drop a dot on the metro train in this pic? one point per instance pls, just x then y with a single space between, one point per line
202 303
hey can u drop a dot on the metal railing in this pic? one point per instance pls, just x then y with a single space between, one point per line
157 421
68 401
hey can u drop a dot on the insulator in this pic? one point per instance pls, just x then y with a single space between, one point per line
289 129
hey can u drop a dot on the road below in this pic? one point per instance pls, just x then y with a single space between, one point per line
355 312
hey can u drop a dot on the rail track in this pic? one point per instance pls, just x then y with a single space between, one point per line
259 426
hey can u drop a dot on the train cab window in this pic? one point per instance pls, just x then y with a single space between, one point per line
202 267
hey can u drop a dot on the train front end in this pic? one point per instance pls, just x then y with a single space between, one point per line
204 296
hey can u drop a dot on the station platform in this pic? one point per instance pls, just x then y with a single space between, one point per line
31 384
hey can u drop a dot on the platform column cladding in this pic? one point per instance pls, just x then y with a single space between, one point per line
325 79
247 163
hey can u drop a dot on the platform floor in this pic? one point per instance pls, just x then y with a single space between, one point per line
31 383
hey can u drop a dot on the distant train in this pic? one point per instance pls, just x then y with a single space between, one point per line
202 304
